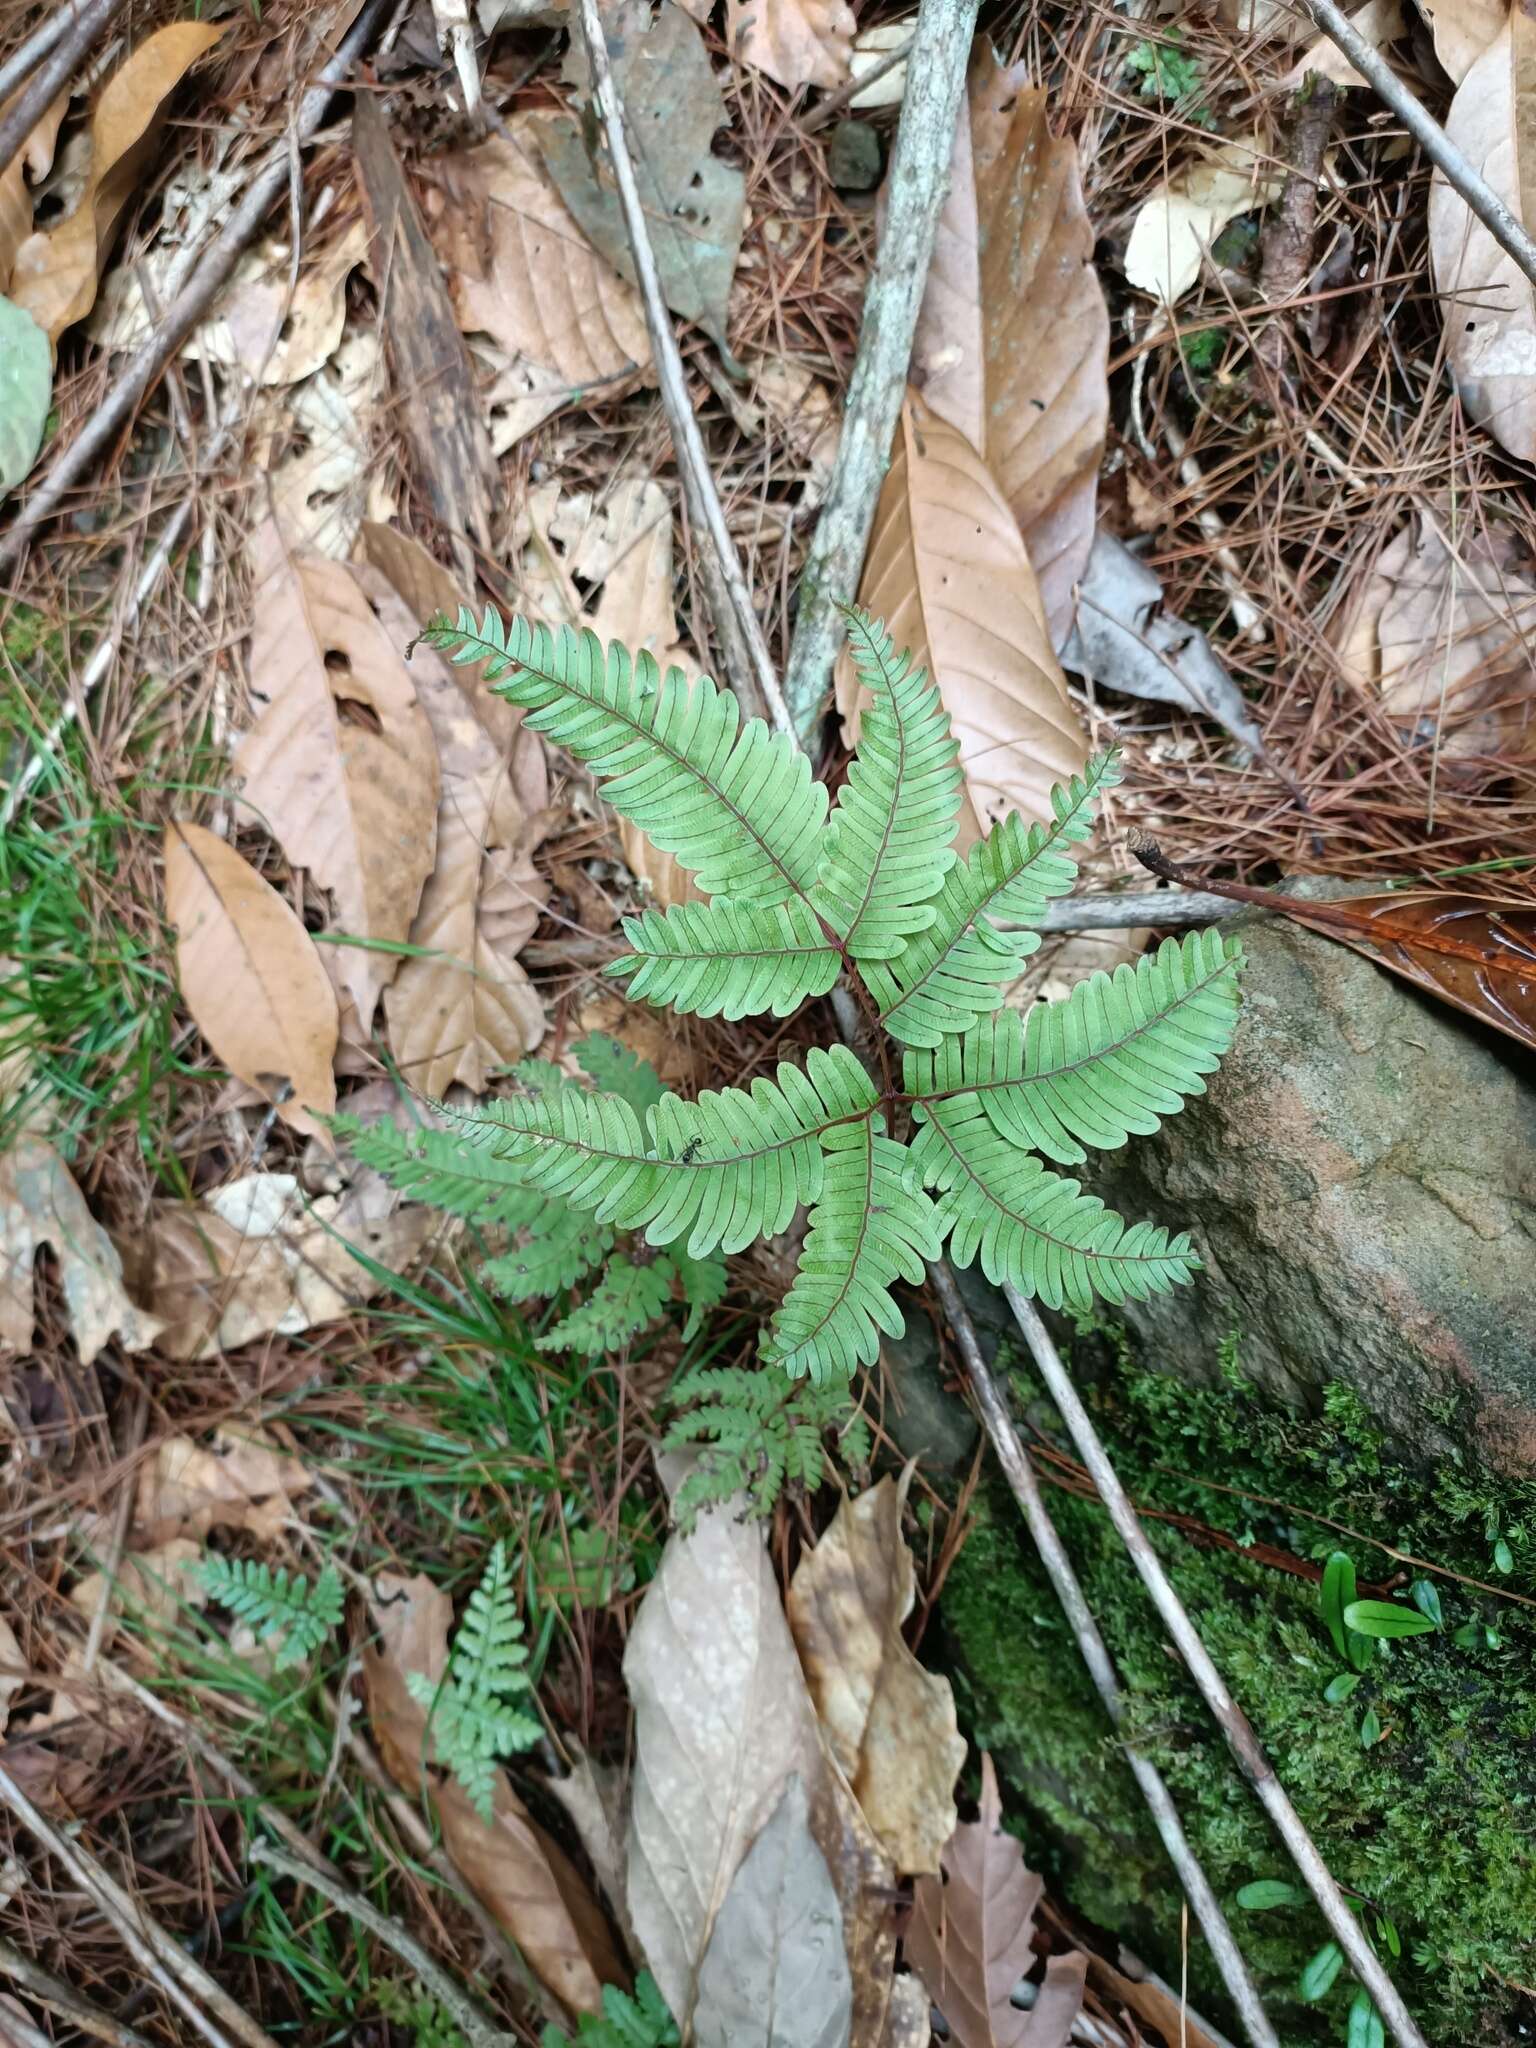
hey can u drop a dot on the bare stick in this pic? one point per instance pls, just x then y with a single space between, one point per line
129 386
919 177
467 2016
849 91
747 659
63 1999
1490 209
1229 1716
22 62
52 75
1020 1474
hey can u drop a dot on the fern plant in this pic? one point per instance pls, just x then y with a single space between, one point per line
759 1433
472 1718
934 1139
278 1606
641 2021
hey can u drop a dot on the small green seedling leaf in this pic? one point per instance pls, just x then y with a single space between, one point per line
1503 1557
1386 1932
1365 2028
1339 1689
1264 1894
1338 1589
1370 1728
1427 1600
1317 1979
1386 1619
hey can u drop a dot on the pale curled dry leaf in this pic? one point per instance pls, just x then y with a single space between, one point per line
722 1722
240 1479
1462 30
775 1974
250 976
522 1878
1012 344
797 42
340 764
55 271
30 163
1175 227
889 1724
970 1939
1488 302
948 573
41 1205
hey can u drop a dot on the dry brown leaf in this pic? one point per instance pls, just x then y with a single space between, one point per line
55 272
329 479
890 1725
340 764
251 977
1176 225
41 1205
1462 30
1012 343
864 1878
30 163
555 319
969 1939
1489 304
150 1583
948 573
798 42
522 1878
722 1722
241 1480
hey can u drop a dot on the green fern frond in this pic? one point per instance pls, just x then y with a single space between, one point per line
869 1228
703 1282
760 1432
625 1301
733 804
728 1168
726 959
639 2022
1032 1227
564 1248
615 1068
276 1604
888 839
956 970
470 1713
1115 1056
454 1170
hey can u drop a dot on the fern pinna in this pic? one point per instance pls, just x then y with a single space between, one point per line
940 1142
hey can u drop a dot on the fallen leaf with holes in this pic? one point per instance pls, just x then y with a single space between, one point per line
722 1723
1176 225
1463 30
889 1724
1012 345
948 573
41 1205
31 163
250 976
521 1877
1445 638
327 482
1488 303
694 201
774 1974
969 1940
56 270
797 42
240 1480
340 764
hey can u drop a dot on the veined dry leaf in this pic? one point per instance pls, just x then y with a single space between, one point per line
1489 303
55 273
1380 22
948 573
798 42
695 201
340 764
1012 344
522 1878
557 318
889 1724
30 163
1462 30
40 1205
969 1939
722 1722
250 975
241 1480
1177 224
774 1974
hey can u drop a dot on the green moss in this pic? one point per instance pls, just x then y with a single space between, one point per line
1436 1824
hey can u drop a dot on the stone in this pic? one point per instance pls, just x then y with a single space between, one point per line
1360 1181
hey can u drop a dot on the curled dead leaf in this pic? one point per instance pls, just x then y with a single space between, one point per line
1178 223
239 1480
30 163
41 1205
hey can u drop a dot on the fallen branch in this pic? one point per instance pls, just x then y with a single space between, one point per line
1020 1474
24 60
1244 1744
63 1999
919 177
52 75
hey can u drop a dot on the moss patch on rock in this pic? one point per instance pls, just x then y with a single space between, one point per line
1434 1824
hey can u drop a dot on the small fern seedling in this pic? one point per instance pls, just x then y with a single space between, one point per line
280 1607
471 1717
943 1138
760 1433
641 2021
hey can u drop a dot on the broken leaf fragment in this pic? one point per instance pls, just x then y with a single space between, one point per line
40 1205
798 42
1176 226
240 1479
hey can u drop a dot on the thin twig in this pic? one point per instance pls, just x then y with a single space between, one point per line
51 76
63 1999
744 648
1229 1716
1427 132
24 60
118 1539
849 91
1020 1474
918 180
479 2030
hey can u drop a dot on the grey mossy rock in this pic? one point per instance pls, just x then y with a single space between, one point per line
1361 1183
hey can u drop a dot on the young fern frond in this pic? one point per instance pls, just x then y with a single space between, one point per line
564 1248
625 1301
471 1718
276 1605
726 959
641 2021
760 1433
733 804
454 1170
888 838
